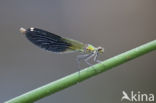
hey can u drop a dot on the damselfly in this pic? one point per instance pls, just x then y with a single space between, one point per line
58 44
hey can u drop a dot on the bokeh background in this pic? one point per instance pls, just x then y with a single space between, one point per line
116 25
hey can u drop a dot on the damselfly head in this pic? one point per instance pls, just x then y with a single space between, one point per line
100 50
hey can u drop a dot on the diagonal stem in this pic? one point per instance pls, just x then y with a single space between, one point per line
86 73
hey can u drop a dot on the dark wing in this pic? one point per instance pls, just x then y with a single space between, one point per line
47 40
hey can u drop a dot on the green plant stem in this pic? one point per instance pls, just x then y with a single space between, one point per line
86 73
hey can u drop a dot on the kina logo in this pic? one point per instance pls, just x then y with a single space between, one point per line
137 97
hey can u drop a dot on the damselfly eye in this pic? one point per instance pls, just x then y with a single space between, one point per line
100 50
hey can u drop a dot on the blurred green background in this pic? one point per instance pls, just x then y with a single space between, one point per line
116 25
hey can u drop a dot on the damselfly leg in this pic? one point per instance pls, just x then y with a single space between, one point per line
95 58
